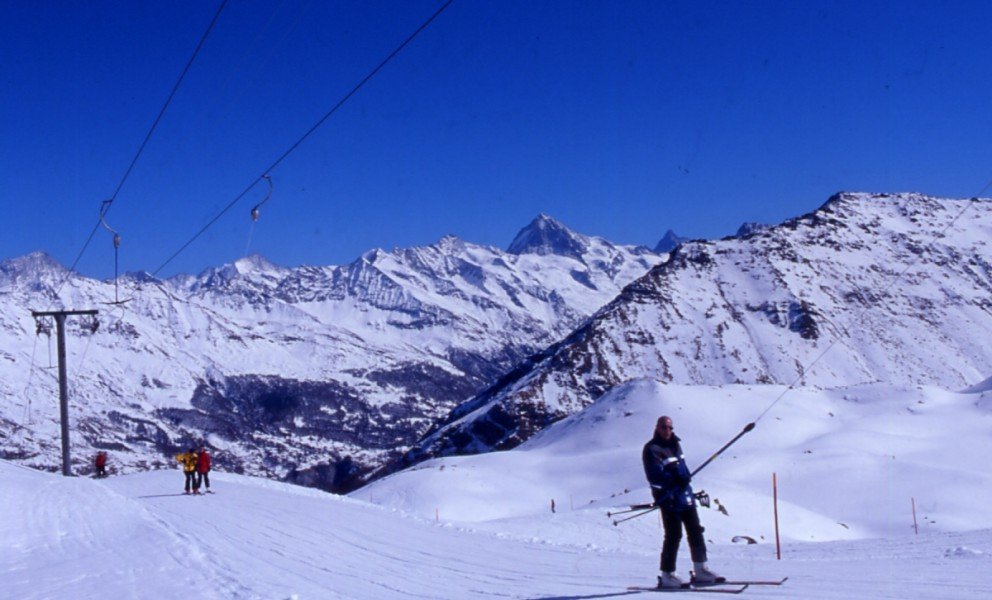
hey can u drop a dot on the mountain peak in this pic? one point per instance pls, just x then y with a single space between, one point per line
451 243
253 263
545 235
668 242
750 228
33 265
246 268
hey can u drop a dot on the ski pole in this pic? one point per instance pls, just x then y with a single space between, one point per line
746 429
640 514
631 508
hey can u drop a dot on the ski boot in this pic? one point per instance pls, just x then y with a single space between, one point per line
702 575
671 581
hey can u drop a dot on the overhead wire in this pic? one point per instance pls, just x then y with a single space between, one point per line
107 204
117 245
304 137
27 386
260 66
255 213
94 325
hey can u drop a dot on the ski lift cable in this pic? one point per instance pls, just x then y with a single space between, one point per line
251 231
127 173
255 214
305 136
250 48
104 207
864 310
117 244
27 386
51 363
168 101
82 360
254 211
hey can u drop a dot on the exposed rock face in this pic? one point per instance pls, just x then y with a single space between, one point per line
894 288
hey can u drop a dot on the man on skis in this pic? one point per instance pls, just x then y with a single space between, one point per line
666 471
203 468
101 464
188 461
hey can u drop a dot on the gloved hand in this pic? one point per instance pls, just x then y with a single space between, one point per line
662 498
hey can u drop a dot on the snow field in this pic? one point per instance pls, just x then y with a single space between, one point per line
134 537
848 461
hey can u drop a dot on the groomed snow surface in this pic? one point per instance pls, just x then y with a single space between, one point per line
847 461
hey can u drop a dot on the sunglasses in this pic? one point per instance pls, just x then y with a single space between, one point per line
666 428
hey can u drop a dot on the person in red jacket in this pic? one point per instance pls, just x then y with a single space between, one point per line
203 469
101 464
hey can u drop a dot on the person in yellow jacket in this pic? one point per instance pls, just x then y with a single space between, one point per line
188 461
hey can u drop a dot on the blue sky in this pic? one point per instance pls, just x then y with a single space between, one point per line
620 119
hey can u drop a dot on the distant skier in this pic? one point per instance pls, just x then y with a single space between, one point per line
101 464
203 469
665 468
188 461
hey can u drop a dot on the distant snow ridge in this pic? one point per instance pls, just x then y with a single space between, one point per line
868 272
311 374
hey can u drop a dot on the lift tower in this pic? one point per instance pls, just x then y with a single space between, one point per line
59 316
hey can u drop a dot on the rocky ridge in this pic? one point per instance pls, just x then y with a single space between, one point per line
869 287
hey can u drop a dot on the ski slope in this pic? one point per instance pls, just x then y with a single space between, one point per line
849 461
482 526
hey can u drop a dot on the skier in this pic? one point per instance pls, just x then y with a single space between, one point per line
101 464
666 471
188 461
203 468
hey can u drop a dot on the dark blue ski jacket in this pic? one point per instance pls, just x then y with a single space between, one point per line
665 468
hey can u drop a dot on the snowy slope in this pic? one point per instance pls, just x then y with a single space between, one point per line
848 461
305 374
868 288
482 526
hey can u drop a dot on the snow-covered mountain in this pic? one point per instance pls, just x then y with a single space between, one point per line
309 374
890 288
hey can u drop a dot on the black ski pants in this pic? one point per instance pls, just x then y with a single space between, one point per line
190 480
674 520
203 479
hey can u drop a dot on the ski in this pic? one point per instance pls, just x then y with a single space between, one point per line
703 590
743 582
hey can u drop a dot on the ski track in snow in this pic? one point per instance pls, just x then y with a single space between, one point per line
133 537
